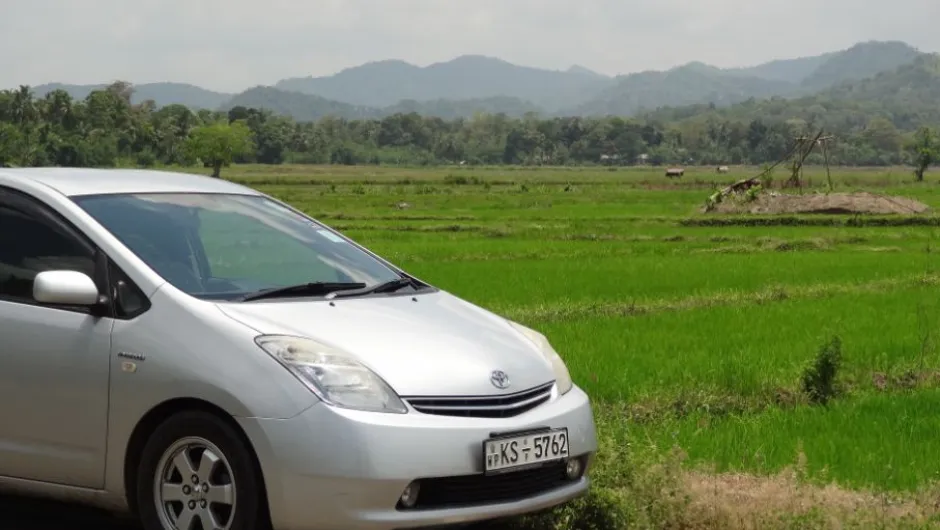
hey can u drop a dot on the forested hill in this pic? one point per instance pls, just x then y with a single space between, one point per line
580 92
859 62
472 84
686 85
471 77
907 97
698 83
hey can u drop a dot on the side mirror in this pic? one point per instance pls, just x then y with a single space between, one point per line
65 288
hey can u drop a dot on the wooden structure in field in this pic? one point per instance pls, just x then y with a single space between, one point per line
801 150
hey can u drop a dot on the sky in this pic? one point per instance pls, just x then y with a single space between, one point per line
231 45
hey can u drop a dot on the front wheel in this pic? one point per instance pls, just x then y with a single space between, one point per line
197 474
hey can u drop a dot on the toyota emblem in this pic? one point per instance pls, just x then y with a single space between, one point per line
499 379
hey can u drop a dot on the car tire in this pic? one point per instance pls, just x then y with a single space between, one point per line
224 482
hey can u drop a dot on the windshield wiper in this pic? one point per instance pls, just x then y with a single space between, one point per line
384 287
302 289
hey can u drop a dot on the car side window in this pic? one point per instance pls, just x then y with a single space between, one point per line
30 244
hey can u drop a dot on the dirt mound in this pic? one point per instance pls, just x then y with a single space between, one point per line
833 203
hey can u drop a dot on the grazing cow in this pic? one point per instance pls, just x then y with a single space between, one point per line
722 169
674 172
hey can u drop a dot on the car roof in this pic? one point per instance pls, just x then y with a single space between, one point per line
83 181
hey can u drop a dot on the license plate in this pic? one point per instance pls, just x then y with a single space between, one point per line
510 453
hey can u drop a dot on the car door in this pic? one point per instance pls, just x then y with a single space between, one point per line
54 361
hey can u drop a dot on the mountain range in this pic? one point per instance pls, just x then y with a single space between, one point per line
473 83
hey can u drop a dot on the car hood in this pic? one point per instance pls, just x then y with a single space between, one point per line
431 344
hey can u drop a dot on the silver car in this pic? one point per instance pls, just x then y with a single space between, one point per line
200 355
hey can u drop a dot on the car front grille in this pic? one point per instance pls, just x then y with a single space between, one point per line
476 490
505 406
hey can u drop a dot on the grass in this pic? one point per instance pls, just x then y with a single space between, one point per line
741 349
692 334
882 441
651 278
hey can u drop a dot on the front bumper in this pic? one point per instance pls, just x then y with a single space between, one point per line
332 468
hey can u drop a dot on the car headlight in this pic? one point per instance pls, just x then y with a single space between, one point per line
562 377
333 375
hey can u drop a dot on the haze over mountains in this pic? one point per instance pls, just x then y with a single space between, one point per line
471 83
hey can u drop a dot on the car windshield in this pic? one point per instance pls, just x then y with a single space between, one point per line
227 246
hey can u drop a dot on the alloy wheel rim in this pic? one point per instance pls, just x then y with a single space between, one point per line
194 487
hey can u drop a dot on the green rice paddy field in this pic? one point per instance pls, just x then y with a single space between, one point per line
691 337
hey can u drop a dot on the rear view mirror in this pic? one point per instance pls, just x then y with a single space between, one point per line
65 288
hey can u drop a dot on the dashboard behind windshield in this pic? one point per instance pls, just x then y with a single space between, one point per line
226 246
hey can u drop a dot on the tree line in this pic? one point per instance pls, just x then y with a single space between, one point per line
105 130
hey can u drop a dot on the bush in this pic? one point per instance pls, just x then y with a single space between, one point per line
819 378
